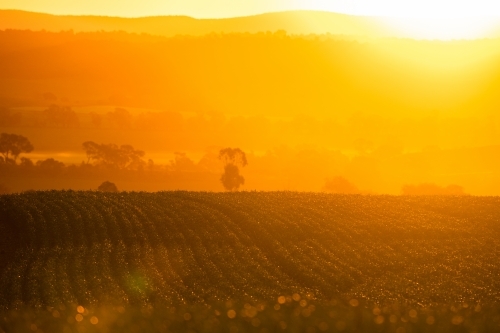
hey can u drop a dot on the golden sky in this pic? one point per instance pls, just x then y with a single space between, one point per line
231 8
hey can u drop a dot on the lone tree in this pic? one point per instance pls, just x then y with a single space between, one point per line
11 145
232 158
107 187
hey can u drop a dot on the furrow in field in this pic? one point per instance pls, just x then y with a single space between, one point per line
244 247
90 247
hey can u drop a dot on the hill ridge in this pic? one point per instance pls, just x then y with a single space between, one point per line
295 22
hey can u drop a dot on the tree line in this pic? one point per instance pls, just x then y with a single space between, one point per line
113 156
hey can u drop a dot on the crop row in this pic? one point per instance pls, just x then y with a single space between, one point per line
184 247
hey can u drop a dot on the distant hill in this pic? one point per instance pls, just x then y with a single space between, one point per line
249 74
294 22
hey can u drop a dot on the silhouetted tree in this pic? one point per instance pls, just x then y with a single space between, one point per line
182 162
26 162
13 145
151 165
340 185
50 166
231 178
131 158
232 158
107 187
111 155
61 116
92 150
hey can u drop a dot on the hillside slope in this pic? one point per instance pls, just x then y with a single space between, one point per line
275 75
295 22
89 248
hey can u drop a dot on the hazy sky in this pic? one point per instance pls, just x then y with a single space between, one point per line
229 8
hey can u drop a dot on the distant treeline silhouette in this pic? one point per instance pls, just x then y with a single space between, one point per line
123 164
297 22
360 132
119 162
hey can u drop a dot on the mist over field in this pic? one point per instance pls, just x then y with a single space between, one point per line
381 113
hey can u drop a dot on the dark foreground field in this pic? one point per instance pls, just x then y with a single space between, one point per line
248 262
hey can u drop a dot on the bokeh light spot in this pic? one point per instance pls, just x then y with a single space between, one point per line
457 320
231 314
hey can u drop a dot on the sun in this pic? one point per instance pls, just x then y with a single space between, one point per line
442 28
423 19
441 9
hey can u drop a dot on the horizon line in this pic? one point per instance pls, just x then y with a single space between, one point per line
257 14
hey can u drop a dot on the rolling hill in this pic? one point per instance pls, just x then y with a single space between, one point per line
294 22
268 74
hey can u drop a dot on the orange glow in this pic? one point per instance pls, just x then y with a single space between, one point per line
357 111
444 28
